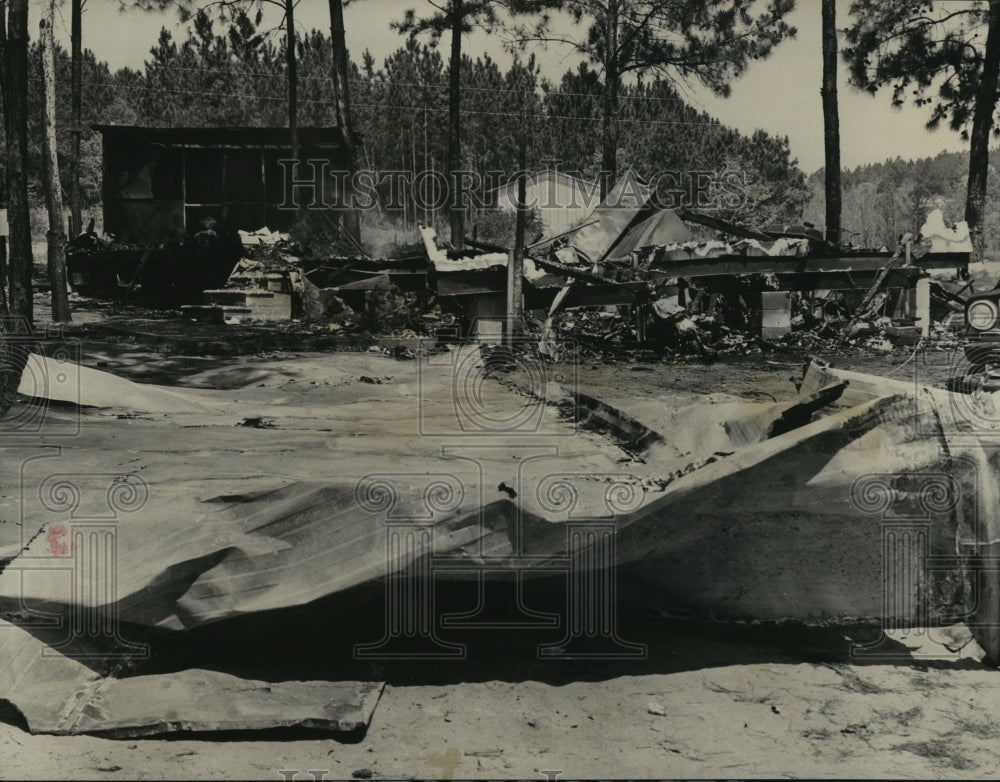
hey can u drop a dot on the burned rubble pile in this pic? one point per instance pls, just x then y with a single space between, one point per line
639 281
707 297
169 273
634 280
261 276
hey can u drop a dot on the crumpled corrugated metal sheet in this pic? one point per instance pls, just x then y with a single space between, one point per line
59 694
772 530
234 522
187 566
627 204
662 228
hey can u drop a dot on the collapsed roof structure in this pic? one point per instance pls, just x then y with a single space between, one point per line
178 569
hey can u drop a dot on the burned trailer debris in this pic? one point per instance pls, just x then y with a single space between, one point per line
351 507
705 294
265 284
166 273
184 210
161 183
176 199
697 296
724 511
641 278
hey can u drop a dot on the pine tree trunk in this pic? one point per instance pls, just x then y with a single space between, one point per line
831 122
609 139
19 255
14 84
50 158
293 79
4 266
345 118
76 100
455 125
982 124
612 86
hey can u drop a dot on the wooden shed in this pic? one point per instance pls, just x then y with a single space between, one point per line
160 183
562 200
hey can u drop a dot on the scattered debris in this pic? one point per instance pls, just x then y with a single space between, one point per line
165 273
631 278
257 422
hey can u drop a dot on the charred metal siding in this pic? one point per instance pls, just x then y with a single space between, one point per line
159 183
563 201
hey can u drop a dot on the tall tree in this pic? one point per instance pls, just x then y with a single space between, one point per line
15 90
709 41
234 12
342 96
455 123
222 76
456 18
936 53
291 63
14 87
76 46
56 235
831 121
8 131
982 125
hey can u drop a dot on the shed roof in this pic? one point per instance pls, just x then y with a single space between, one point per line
546 175
218 137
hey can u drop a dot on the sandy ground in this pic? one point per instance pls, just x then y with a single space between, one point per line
738 720
705 703
745 720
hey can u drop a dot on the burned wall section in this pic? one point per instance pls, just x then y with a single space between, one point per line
161 183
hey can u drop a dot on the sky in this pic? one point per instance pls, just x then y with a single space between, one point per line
780 95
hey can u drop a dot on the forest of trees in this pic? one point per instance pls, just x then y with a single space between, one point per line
233 75
881 201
